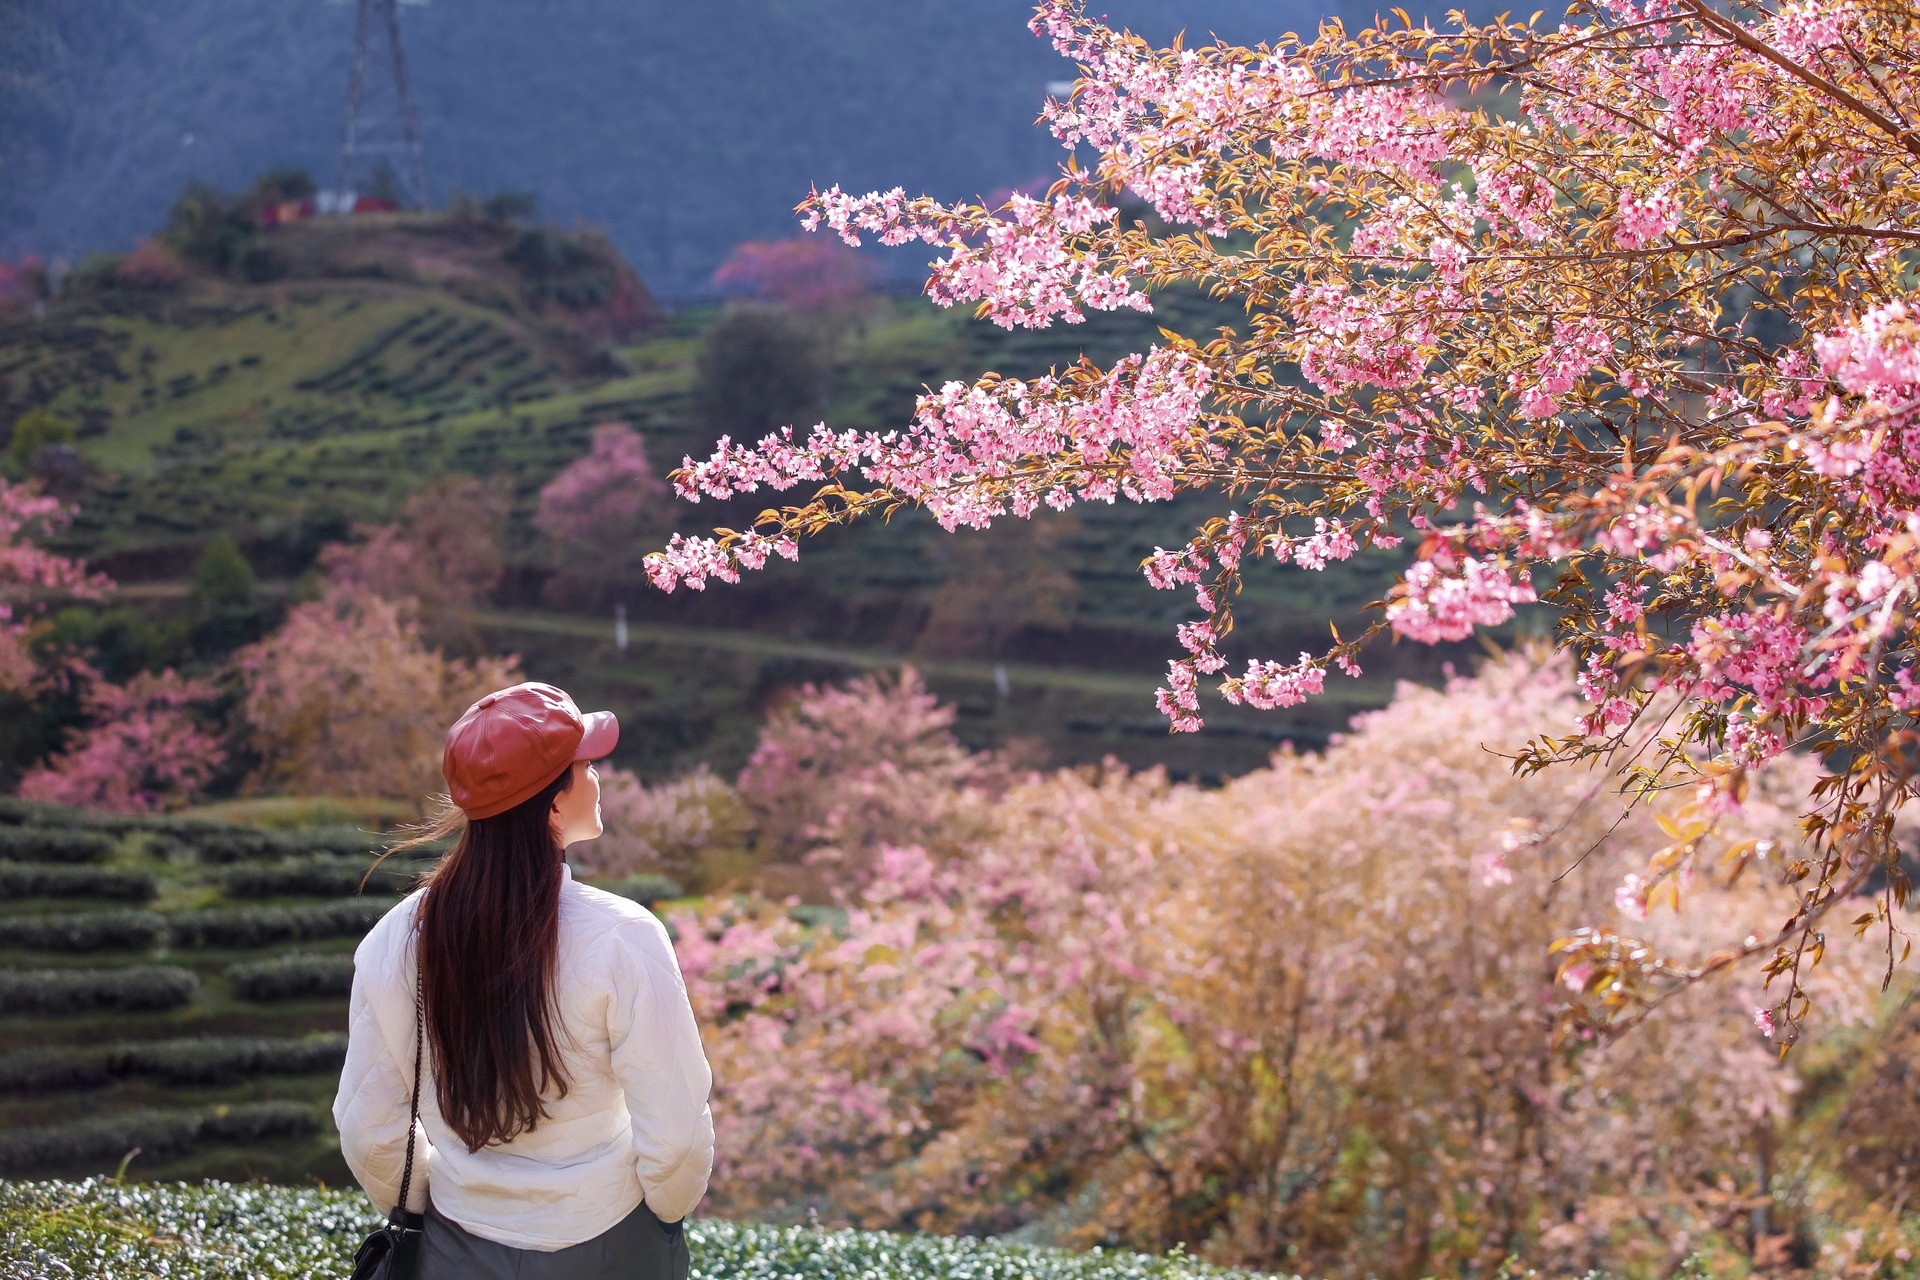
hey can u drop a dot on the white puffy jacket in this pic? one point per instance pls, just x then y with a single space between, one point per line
634 1124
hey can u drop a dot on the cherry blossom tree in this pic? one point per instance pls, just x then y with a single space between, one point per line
22 283
835 766
681 827
598 508
346 699
30 575
1621 301
151 265
146 746
800 273
441 557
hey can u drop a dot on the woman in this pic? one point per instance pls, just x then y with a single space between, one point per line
564 1130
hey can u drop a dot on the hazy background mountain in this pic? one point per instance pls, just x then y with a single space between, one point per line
681 127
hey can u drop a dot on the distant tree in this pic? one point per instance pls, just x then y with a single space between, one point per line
30 575
145 747
22 283
441 557
346 699
760 369
802 273
599 512
207 226
276 186
837 765
577 270
1000 580
33 431
151 265
511 206
226 610
222 576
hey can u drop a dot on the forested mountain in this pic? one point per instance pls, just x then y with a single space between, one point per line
681 128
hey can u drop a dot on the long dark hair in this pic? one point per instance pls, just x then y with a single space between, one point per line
489 932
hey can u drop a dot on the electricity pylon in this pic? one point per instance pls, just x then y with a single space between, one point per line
382 131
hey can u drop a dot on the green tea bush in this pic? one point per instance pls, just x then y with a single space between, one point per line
292 977
645 888
57 880
53 844
84 930
100 1228
188 1060
317 877
157 1134
136 989
42 1070
211 841
262 926
226 1059
15 812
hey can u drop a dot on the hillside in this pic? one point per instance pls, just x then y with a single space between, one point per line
682 129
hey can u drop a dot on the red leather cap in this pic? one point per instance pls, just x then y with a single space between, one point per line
513 742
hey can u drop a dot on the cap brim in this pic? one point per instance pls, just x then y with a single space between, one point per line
603 734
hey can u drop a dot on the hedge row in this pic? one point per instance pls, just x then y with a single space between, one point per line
194 1060
215 927
61 880
260 926
212 841
158 1134
227 1059
318 877
53 844
215 843
646 888
136 989
218 1231
42 1070
295 976
84 930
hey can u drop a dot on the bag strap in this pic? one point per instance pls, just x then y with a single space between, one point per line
413 1117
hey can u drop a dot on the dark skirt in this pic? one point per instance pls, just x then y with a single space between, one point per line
638 1247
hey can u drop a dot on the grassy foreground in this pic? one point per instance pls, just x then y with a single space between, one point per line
186 1231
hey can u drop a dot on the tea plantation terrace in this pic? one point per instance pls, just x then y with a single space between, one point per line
178 987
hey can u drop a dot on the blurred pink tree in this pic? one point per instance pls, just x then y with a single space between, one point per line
838 768
145 747
441 557
345 699
801 273
30 574
151 265
22 283
599 511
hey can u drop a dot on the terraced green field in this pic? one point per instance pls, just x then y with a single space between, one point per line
177 990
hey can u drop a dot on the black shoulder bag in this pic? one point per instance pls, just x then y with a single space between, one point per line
392 1251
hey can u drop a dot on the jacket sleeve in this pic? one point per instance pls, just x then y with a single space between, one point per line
661 1066
376 1085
